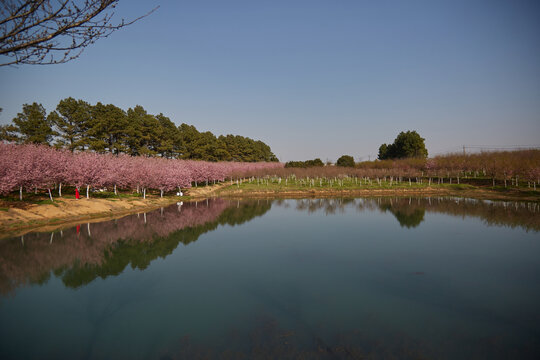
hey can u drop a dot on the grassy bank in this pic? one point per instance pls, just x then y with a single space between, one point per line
350 186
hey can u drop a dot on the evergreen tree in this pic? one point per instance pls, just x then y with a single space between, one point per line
33 126
107 129
141 132
70 121
9 133
170 143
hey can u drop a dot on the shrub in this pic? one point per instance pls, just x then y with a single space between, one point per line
345 161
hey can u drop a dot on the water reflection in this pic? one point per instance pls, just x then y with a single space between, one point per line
345 286
82 253
410 212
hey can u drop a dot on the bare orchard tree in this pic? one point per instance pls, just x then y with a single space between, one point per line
53 31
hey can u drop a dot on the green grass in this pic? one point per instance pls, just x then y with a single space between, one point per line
46 202
273 184
324 184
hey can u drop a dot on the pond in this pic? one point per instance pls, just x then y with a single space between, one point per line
378 278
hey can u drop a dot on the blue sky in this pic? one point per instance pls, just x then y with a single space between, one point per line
314 78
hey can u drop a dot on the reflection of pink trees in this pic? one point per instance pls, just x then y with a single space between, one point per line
41 167
33 257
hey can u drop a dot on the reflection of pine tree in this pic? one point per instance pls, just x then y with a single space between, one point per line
112 245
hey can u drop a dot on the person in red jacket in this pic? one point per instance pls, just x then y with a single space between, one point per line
77 196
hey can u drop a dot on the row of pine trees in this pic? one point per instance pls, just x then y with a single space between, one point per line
77 126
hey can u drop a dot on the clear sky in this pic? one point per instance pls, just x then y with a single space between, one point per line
314 78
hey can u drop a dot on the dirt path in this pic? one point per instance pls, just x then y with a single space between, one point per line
206 191
71 210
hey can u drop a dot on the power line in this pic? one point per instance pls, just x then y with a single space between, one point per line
503 146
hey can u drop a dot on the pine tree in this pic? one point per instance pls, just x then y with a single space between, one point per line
33 126
71 120
107 129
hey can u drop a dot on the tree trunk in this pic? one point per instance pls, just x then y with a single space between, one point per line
115 193
60 190
88 191
20 193
161 192
50 195
144 193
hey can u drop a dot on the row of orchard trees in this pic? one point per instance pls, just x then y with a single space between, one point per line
31 167
496 165
502 167
499 165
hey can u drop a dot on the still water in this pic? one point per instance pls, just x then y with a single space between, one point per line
383 278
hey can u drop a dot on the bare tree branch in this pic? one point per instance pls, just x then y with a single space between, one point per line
54 31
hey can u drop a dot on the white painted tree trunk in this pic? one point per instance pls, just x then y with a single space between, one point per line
115 193
144 193
88 191
20 193
50 195
161 192
60 190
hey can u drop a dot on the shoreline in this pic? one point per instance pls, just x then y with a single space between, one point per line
66 212
232 191
69 212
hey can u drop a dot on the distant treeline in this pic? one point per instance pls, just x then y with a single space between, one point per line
304 164
76 125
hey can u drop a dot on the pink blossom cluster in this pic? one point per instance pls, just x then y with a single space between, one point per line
41 167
